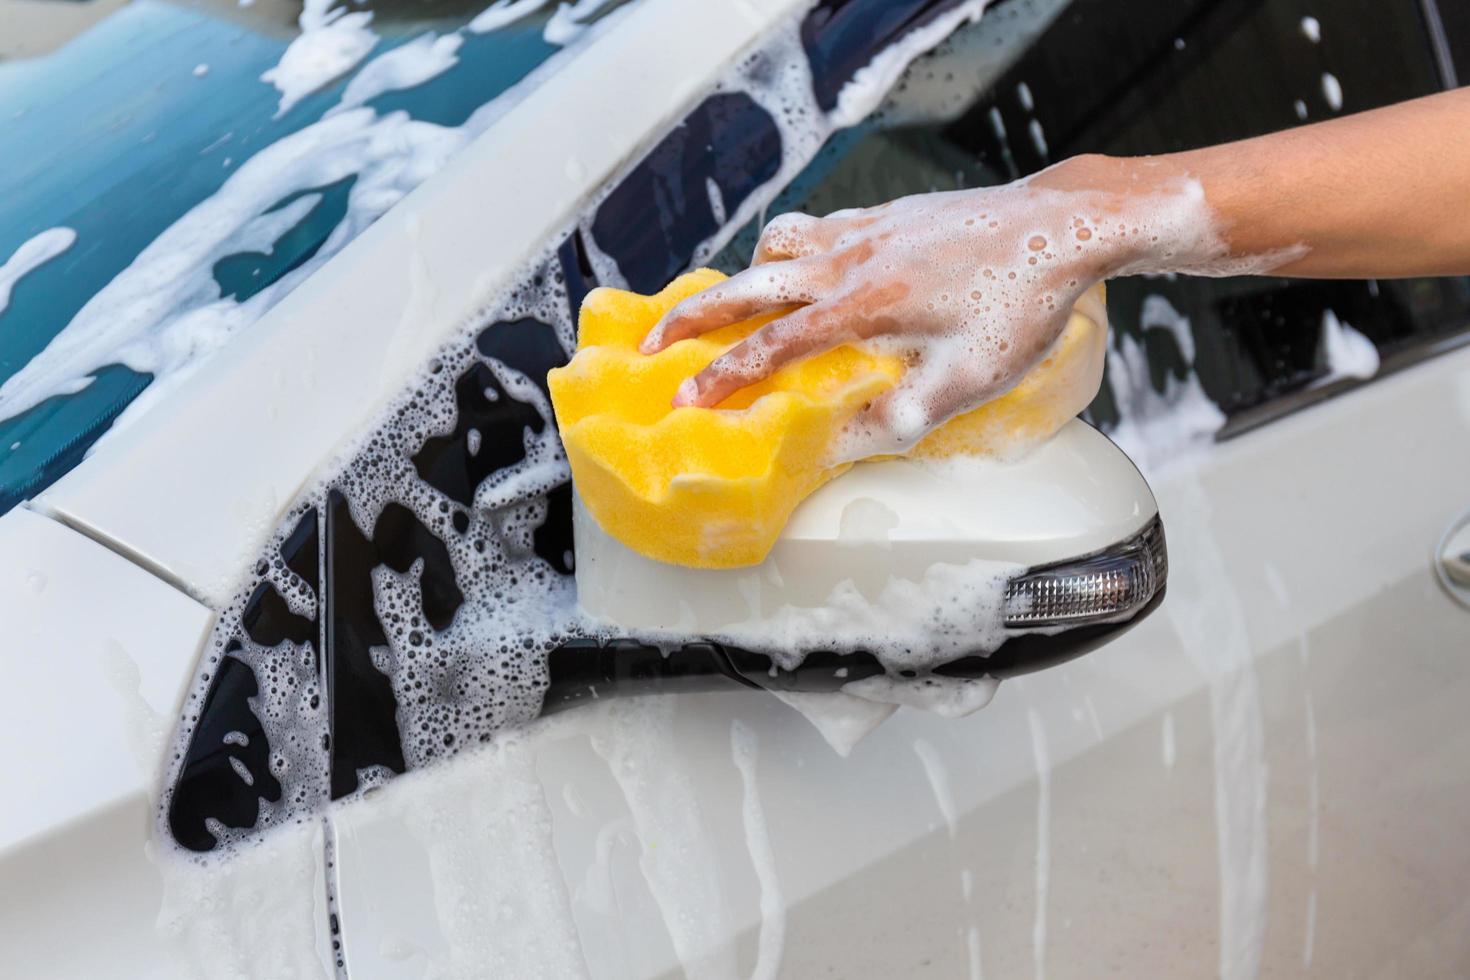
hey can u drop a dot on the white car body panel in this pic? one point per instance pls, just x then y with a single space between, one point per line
97 655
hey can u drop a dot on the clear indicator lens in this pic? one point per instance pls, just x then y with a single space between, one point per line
1111 584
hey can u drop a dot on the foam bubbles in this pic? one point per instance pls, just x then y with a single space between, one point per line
869 84
1332 91
31 255
332 42
1347 352
503 12
571 19
425 57
1156 428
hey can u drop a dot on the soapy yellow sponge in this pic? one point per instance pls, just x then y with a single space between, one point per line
712 488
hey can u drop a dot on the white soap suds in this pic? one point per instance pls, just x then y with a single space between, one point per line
252 913
843 720
972 949
425 57
1038 138
331 43
145 728
1347 352
1332 91
948 697
937 773
32 254
997 124
1314 799
500 900
1311 29
503 12
571 18
745 748
1314 792
871 83
1158 428
1210 623
1023 96
1042 760
1309 941
636 740
1092 719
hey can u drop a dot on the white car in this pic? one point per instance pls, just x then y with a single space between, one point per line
275 650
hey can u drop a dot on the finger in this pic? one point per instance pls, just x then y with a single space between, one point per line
791 236
740 297
809 330
1091 305
895 422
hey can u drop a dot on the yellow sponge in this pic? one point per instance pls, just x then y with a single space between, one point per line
712 488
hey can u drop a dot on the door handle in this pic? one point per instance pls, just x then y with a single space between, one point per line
1452 560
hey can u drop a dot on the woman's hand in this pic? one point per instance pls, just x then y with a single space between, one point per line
970 287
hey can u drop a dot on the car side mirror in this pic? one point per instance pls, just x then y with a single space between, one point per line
1072 527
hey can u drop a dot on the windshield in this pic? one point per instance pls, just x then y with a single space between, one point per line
169 172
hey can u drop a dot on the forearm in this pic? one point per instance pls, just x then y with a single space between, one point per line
1378 194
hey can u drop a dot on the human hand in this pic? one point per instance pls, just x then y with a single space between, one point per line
970 287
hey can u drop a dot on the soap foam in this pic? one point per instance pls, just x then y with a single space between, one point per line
938 775
1158 428
503 12
1332 91
255 914
571 18
31 255
425 57
871 83
745 749
947 697
842 719
331 43
1347 352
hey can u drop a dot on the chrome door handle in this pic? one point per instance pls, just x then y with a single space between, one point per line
1452 560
